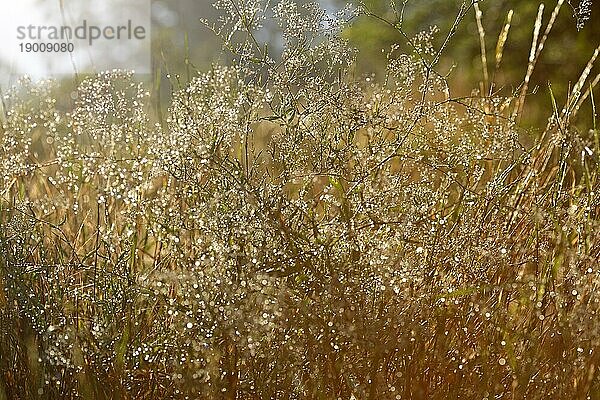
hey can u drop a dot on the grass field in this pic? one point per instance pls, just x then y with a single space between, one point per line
288 229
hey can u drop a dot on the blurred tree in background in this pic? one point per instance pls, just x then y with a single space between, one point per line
374 38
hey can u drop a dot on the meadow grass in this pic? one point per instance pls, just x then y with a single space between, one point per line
289 230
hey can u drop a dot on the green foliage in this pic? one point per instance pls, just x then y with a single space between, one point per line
370 36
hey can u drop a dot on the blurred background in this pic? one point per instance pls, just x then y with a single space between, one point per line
565 55
566 52
181 44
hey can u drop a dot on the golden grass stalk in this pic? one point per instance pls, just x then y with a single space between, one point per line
502 38
587 93
570 109
536 50
481 32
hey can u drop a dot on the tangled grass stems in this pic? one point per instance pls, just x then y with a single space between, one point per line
293 231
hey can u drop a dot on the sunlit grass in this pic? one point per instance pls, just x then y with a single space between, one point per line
291 230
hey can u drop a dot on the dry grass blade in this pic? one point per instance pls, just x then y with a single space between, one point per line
535 52
587 93
482 50
575 96
502 38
